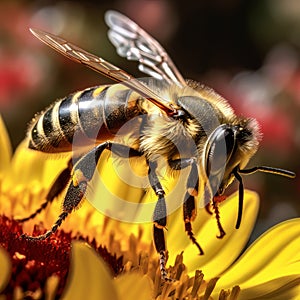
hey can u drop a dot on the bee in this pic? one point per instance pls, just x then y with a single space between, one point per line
187 124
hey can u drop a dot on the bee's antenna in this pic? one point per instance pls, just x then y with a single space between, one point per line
264 169
270 170
241 197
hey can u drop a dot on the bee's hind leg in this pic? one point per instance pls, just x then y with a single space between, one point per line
56 189
81 174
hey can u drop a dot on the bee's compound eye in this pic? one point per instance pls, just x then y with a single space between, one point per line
219 149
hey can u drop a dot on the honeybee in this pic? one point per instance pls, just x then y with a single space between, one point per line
187 124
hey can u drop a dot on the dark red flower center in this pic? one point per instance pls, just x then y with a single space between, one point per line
33 262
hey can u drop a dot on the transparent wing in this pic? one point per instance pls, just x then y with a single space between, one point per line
134 43
100 65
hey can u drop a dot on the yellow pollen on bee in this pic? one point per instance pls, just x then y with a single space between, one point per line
192 192
192 218
194 214
98 91
159 226
78 177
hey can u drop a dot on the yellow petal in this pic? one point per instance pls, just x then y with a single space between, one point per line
113 192
218 253
39 168
286 287
134 286
5 147
5 270
89 277
275 255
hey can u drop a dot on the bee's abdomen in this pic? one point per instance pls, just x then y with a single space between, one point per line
82 119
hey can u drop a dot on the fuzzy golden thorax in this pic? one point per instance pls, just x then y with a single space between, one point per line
203 110
169 138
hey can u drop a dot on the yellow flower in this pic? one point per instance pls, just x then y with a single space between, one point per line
93 280
36 269
269 269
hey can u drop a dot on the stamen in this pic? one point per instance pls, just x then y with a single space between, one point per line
234 294
197 283
180 266
166 291
210 287
224 295
180 292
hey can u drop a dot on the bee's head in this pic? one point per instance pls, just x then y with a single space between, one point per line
229 148
226 153
229 145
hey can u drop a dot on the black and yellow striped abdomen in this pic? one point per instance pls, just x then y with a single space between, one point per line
82 118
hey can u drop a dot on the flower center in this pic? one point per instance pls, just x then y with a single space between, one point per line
36 263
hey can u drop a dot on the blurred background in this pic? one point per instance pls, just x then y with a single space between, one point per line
248 51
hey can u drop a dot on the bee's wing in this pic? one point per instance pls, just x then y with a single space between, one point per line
102 66
134 43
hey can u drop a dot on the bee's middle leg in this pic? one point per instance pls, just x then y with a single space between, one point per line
189 206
